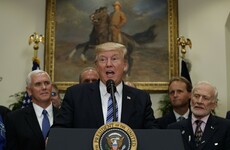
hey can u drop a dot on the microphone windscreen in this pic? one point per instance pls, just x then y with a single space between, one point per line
110 84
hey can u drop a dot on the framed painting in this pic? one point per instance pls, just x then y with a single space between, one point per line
151 28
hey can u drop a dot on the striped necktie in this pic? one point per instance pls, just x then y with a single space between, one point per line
110 111
45 124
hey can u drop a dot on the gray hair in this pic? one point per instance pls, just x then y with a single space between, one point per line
35 72
209 84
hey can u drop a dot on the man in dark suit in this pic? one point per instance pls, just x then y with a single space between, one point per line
24 126
3 112
85 105
228 115
179 91
203 131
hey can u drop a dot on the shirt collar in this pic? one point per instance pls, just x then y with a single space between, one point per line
103 89
184 115
204 119
38 109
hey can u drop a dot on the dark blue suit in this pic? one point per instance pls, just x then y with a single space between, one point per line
3 112
167 119
82 108
228 115
23 131
216 134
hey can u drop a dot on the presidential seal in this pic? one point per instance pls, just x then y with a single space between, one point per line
115 136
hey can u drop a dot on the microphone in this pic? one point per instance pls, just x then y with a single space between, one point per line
111 88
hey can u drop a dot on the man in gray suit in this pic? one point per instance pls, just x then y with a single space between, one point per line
85 105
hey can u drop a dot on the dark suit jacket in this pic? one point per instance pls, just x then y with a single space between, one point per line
82 108
228 115
3 112
216 134
167 119
23 131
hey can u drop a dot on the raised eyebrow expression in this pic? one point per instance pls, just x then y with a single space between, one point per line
205 97
39 84
105 59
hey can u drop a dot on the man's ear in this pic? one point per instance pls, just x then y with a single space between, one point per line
125 69
28 90
214 105
126 66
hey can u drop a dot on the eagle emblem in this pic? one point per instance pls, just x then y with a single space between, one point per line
115 141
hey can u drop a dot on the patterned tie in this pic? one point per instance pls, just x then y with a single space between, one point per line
198 132
110 111
45 124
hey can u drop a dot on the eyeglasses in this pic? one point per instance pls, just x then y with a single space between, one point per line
53 93
89 80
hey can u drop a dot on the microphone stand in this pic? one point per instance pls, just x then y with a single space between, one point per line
111 88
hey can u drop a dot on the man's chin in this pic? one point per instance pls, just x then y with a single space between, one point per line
199 114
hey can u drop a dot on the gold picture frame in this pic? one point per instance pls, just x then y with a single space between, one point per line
56 59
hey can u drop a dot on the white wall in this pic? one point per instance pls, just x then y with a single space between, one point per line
203 21
227 41
19 19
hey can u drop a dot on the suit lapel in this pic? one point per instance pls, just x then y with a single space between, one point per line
128 106
171 117
55 112
95 102
187 133
209 131
32 121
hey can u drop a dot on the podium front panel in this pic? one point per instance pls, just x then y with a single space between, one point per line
156 139
82 139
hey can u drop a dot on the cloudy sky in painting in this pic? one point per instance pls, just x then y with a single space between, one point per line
72 16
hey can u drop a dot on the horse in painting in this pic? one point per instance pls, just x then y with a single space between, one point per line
100 34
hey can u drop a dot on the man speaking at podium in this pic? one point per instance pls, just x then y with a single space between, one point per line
89 105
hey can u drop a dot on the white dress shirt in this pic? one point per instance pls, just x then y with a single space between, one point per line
203 124
178 115
38 111
105 97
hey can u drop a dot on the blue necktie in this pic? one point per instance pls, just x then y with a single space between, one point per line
110 111
45 124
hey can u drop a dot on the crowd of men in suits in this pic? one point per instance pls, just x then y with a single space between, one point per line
86 106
